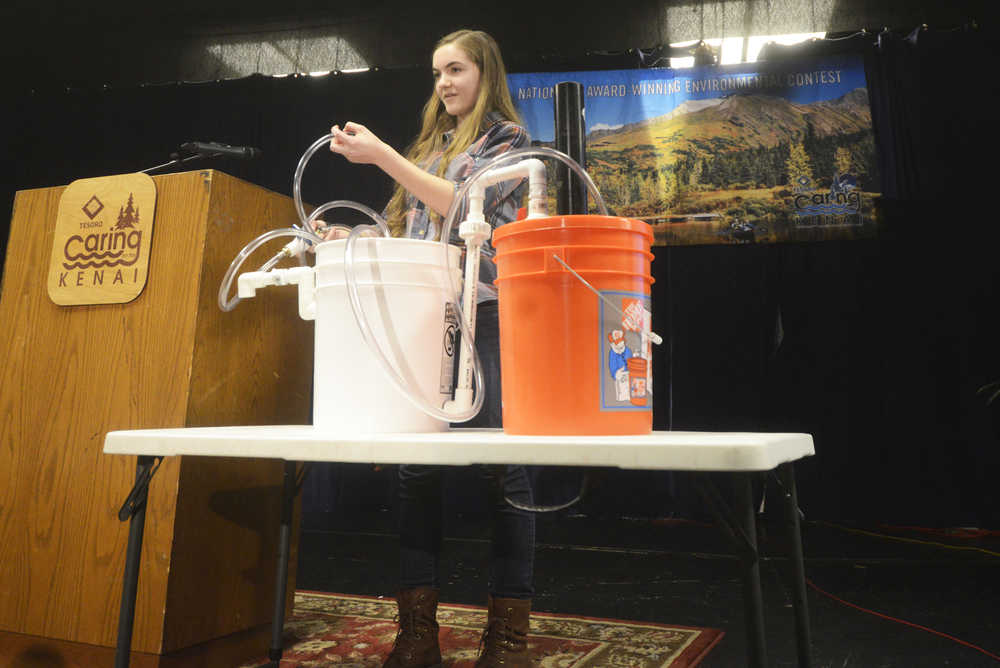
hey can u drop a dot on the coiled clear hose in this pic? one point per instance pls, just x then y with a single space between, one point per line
467 337
305 232
516 155
460 195
297 195
412 395
234 266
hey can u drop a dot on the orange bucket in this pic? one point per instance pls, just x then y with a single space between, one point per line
570 363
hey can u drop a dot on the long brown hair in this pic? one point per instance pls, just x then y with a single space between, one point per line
494 95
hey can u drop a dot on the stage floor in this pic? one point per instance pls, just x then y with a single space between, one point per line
681 572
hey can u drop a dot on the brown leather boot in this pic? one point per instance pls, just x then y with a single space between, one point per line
505 640
416 643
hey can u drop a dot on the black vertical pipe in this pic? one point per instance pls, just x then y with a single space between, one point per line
288 492
753 600
787 476
130 581
571 139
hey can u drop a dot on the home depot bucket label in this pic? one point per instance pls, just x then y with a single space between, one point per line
626 351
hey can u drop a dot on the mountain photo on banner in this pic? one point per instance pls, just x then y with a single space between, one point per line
752 153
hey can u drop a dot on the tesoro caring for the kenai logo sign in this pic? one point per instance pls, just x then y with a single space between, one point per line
99 259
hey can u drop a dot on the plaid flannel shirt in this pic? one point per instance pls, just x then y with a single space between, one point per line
500 204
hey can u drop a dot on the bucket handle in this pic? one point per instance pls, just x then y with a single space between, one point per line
653 336
548 266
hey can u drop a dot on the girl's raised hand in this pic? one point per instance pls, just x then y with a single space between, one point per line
357 143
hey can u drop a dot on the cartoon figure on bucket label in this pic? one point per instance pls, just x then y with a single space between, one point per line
624 346
618 356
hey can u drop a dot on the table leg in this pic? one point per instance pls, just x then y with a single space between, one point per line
130 584
288 493
753 600
786 474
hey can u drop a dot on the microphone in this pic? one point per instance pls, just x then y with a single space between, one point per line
209 149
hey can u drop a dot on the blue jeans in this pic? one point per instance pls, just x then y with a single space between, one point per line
420 497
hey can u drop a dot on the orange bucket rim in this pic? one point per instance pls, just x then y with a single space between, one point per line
574 222
576 248
596 273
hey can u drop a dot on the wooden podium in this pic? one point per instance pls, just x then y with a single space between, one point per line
169 358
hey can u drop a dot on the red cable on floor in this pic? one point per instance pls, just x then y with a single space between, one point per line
902 621
951 532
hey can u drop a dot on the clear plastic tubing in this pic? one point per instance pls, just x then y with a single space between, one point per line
352 290
517 155
304 235
461 195
467 337
297 195
234 266
307 235
373 345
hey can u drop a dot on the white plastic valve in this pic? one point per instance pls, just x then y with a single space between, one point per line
475 232
304 277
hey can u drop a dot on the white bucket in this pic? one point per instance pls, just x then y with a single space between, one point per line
403 290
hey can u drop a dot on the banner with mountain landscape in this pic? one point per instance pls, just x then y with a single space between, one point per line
753 153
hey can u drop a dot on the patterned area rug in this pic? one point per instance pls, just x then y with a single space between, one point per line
358 632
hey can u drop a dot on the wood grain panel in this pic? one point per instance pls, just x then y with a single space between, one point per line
19 321
252 365
70 374
57 360
22 651
153 348
91 369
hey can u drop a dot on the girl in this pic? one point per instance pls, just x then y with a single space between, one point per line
469 119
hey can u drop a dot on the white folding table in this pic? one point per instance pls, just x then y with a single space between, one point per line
740 454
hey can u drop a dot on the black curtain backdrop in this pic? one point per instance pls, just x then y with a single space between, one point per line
875 347
70 134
